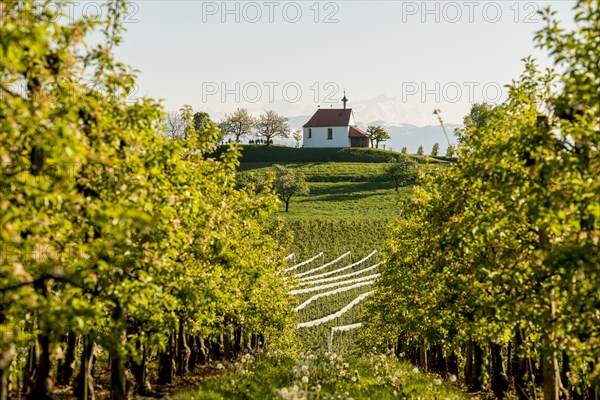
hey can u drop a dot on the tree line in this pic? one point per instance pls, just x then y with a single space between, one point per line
120 246
493 266
239 124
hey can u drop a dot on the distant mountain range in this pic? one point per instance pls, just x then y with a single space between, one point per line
407 125
402 135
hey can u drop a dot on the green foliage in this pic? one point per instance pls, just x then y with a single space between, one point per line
286 155
329 171
324 375
450 151
113 230
337 235
297 135
377 134
435 149
288 183
404 150
403 170
504 244
420 151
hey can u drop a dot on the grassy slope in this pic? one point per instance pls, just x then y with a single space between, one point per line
281 154
341 190
350 204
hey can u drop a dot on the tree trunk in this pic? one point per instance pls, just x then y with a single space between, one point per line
519 366
204 354
117 363
195 354
67 366
261 342
452 363
398 349
41 384
551 374
83 387
477 367
184 351
140 373
564 371
469 362
550 366
238 344
219 347
4 384
166 364
423 356
499 378
474 366
227 344
9 352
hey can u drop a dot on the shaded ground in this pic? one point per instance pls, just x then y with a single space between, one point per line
201 376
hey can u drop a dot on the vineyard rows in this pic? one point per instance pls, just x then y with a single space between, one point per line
329 295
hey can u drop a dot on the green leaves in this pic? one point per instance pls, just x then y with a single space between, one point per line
110 223
508 236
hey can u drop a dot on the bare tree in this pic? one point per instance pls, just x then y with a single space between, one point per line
237 124
175 125
271 125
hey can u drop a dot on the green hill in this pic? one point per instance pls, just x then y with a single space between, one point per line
283 154
351 199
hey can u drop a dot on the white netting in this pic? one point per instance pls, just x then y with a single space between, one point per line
323 266
333 316
337 278
344 328
331 293
335 284
290 256
304 262
339 269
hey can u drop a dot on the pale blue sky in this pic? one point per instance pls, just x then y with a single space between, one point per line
397 60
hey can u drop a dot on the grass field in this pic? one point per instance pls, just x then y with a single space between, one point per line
327 376
350 204
342 190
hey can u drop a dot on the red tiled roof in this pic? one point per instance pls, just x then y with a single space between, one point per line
330 117
357 132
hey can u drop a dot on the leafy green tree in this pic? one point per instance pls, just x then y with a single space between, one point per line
237 124
117 234
450 151
420 150
479 114
288 183
203 123
271 125
435 150
297 135
506 237
404 150
403 170
377 134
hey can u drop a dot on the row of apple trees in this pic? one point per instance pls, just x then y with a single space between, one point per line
118 244
493 269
